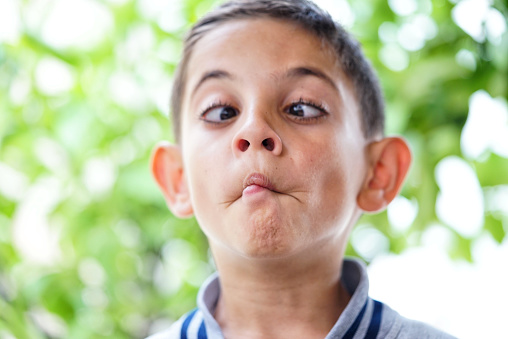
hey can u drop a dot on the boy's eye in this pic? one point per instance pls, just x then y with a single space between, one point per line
219 114
303 110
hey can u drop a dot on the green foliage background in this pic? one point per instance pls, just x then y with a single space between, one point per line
124 266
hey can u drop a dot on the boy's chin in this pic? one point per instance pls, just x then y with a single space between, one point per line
269 244
257 249
267 236
271 232
266 243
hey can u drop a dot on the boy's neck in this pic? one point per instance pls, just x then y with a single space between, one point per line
300 297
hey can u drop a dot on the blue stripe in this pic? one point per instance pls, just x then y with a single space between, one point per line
202 331
375 321
354 327
186 323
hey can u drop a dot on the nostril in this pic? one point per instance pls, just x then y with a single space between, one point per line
269 144
243 145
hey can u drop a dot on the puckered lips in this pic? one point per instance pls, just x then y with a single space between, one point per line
256 182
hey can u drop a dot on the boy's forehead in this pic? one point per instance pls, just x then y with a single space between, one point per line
276 46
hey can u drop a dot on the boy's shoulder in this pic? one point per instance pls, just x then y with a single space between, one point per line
363 317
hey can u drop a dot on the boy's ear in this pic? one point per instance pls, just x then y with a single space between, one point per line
389 163
167 169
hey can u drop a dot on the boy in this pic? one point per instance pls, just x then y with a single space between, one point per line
279 124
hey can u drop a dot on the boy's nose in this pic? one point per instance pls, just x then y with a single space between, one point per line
257 134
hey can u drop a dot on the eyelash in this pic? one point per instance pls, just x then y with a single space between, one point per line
301 101
213 105
310 103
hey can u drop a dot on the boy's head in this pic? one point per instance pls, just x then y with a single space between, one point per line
278 154
311 18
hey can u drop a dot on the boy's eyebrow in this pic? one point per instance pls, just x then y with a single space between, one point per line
298 72
215 74
295 72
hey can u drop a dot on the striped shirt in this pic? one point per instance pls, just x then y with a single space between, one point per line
363 317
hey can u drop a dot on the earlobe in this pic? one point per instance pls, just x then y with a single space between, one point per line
389 163
167 169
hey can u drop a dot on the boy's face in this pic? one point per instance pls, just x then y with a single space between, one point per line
272 143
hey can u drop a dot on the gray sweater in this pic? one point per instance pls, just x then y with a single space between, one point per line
363 317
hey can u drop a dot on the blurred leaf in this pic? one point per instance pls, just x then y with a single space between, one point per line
495 227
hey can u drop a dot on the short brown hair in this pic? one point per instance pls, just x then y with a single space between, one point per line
309 16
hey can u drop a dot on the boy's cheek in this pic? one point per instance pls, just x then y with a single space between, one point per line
207 176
